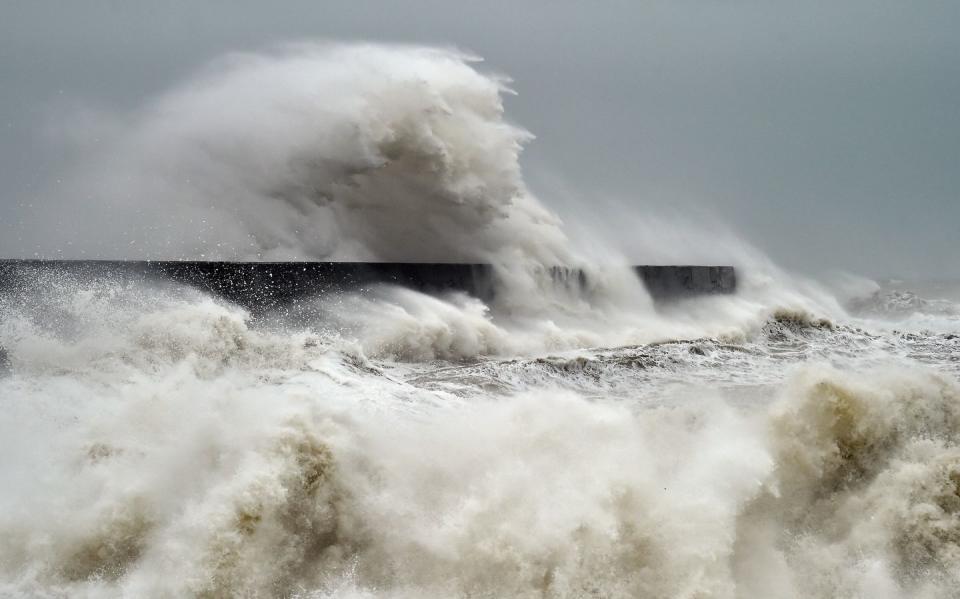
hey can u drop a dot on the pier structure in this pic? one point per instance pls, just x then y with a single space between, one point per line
260 286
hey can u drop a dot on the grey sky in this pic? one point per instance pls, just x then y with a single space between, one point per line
827 133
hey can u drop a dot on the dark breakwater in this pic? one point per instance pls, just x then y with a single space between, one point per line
262 285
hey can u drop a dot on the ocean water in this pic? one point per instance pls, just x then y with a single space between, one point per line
160 442
796 439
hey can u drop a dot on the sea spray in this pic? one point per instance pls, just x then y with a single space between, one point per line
385 152
316 151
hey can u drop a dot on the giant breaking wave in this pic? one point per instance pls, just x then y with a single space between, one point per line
314 151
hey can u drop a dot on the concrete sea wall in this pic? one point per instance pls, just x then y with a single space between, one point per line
262 285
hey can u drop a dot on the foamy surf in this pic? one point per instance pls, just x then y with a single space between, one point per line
166 446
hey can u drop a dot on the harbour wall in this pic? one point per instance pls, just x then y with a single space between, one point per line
262 285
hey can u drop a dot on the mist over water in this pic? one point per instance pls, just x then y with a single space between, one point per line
797 439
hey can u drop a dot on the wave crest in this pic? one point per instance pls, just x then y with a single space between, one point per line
319 151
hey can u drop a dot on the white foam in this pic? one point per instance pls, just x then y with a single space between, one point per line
208 457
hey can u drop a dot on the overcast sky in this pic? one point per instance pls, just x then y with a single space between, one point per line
827 133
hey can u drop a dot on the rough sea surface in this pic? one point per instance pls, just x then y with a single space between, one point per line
161 443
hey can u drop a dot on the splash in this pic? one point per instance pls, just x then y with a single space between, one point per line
318 151
378 152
